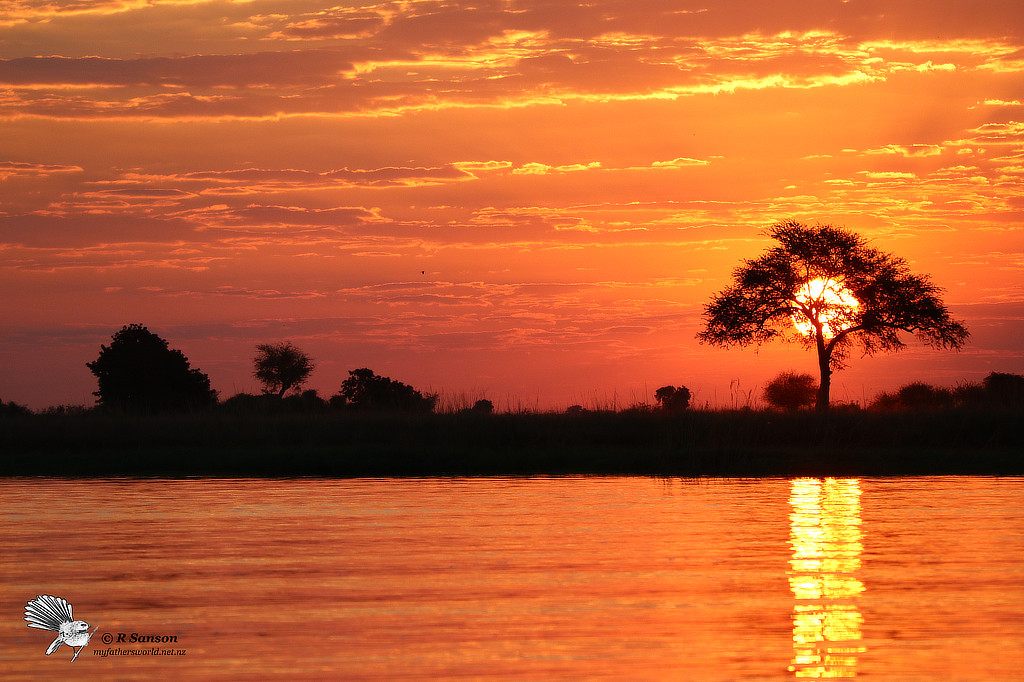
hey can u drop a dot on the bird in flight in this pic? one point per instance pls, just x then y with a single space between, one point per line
47 612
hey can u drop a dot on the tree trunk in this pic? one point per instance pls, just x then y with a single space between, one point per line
824 357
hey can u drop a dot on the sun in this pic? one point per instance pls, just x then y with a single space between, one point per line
830 302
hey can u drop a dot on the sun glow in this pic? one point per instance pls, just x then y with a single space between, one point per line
828 301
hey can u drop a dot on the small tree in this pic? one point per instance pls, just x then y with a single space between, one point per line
138 372
364 390
791 391
673 399
281 367
825 287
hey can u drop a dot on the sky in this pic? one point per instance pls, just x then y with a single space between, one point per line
528 201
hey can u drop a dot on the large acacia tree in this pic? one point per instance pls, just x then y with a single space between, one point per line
825 287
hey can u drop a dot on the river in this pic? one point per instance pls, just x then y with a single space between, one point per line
519 578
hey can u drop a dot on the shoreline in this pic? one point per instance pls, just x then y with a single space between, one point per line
691 444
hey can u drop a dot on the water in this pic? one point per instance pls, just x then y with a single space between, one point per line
535 578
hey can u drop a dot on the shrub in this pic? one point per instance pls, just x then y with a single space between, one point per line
13 410
791 391
482 406
915 396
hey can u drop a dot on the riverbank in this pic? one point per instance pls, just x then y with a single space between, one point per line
693 443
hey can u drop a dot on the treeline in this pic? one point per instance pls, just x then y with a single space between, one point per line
138 373
998 390
362 391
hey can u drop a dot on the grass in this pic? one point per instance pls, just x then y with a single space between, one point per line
691 443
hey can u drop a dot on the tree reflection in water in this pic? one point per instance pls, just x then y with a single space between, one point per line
826 544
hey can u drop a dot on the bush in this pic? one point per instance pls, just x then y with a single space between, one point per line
65 411
791 391
13 410
915 396
482 406
247 403
270 403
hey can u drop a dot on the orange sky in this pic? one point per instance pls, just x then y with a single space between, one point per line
528 201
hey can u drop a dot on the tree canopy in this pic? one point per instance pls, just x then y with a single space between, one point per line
672 399
281 367
826 288
138 372
364 390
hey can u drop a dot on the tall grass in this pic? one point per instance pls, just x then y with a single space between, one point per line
690 443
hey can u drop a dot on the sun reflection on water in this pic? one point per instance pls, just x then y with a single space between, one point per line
826 547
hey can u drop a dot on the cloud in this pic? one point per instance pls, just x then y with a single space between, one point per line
889 175
291 68
253 180
262 216
400 176
679 162
474 167
79 230
399 58
535 168
12 168
913 150
1009 133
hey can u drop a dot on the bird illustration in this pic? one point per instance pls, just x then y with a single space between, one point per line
47 612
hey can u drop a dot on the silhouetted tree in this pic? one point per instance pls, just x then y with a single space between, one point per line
1004 390
998 390
13 410
791 391
364 390
307 401
773 293
673 399
281 367
483 406
916 395
137 372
